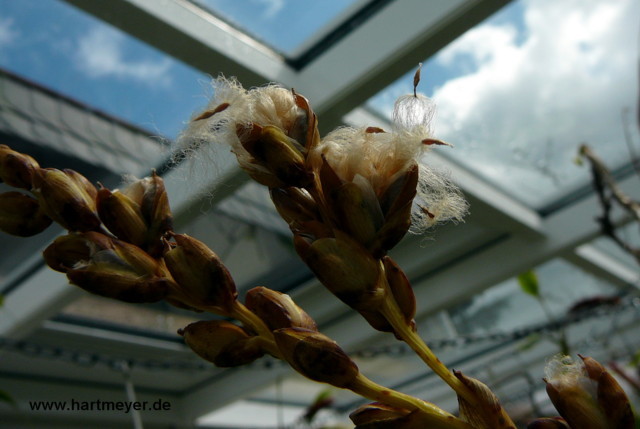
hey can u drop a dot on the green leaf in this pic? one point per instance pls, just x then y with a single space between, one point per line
1 300
529 283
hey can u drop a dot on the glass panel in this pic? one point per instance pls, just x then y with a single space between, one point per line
289 26
97 309
630 234
241 414
62 48
518 93
505 307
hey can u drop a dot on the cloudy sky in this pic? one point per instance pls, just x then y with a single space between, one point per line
516 94
58 46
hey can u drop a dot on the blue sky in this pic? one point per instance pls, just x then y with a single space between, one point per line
63 48
266 19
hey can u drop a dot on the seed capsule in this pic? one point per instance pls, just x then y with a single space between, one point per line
279 154
122 285
381 416
221 342
316 356
71 250
122 216
487 413
66 198
548 423
277 309
21 215
294 205
108 267
150 196
16 168
401 290
200 273
376 413
357 210
345 268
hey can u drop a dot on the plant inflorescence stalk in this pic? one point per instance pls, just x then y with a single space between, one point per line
251 321
371 390
394 317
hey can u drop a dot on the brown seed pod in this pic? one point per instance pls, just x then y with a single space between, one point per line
316 356
222 343
277 309
200 273
67 198
21 215
16 168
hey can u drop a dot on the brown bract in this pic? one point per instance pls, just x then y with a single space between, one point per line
200 274
16 168
277 309
316 356
21 215
67 197
222 343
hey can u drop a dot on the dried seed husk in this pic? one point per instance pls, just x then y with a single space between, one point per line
401 190
380 416
277 309
357 210
16 168
487 413
119 284
376 413
109 267
395 227
200 273
66 198
305 128
294 205
21 215
345 268
281 155
401 290
122 216
548 423
316 356
150 195
70 250
612 399
222 343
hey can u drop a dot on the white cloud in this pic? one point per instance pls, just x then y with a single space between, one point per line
530 102
271 7
7 33
101 53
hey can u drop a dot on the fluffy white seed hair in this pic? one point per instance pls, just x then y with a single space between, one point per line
437 200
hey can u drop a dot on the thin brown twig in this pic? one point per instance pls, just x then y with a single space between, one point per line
608 191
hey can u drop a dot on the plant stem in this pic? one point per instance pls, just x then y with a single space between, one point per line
371 390
250 320
392 313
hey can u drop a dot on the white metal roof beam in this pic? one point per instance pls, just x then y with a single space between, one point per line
193 36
